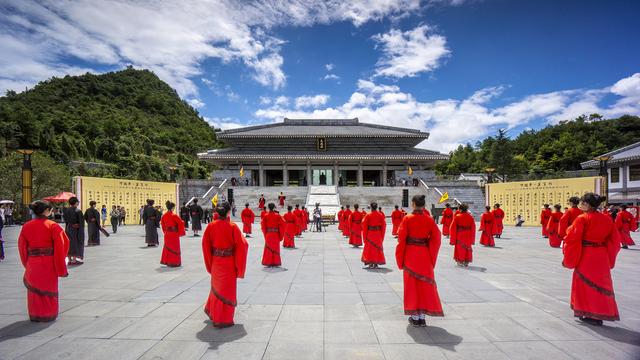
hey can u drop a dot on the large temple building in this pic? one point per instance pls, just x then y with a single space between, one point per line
344 152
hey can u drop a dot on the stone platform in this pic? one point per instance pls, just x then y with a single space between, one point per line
512 303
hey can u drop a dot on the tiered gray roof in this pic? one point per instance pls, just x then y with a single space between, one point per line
623 154
409 154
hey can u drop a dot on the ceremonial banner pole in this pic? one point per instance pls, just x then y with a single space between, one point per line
27 183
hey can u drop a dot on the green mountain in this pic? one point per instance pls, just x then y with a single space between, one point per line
126 124
547 152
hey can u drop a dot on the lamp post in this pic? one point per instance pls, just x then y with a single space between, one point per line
490 172
173 169
27 182
604 159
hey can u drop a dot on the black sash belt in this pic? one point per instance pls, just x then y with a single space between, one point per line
417 241
222 252
40 252
593 244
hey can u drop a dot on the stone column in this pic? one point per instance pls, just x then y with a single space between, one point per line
384 174
260 174
360 180
335 173
285 174
309 173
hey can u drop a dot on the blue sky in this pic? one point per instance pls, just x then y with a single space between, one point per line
458 69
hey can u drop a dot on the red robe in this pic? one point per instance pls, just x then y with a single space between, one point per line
544 220
273 228
486 226
261 203
590 248
340 219
552 229
345 222
305 220
396 218
225 256
463 236
281 200
374 227
416 254
624 226
247 217
299 214
355 228
567 219
43 247
447 218
498 217
263 213
289 230
173 228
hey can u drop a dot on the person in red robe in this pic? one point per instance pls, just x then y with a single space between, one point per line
544 219
298 214
173 228
261 202
553 225
447 218
43 247
374 226
305 218
355 227
396 218
416 255
463 236
498 217
339 216
486 226
290 229
263 213
569 216
625 224
281 199
345 222
273 229
248 217
224 249
590 249
381 212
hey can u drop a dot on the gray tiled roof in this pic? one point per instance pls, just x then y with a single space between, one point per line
627 153
411 154
321 127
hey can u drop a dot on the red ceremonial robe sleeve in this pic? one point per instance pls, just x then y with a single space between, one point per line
207 245
564 224
402 244
253 217
572 249
281 227
60 249
263 225
22 248
435 240
613 246
241 247
453 230
365 225
619 222
483 218
384 226
180 224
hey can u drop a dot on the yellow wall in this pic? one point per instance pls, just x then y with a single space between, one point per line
123 192
526 198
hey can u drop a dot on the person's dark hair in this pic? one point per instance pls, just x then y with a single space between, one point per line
223 209
342 207
92 203
574 200
463 207
289 207
418 200
623 207
195 201
150 202
73 200
488 208
297 206
348 206
546 206
396 207
447 205
557 207
246 205
374 206
39 207
594 200
356 206
271 206
170 206
184 203
113 206
496 205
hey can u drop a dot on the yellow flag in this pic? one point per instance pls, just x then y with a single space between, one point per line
214 201
241 171
410 172
443 198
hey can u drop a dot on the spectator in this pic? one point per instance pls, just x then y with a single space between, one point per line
115 218
103 215
123 216
317 218
140 212
8 215
519 220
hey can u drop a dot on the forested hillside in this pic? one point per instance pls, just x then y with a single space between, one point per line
127 124
546 152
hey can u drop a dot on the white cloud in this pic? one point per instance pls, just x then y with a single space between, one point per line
409 53
452 122
329 67
224 123
311 101
196 103
331 77
281 101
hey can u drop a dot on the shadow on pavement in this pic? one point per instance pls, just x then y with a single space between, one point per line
438 336
215 337
379 270
23 328
618 334
476 268
164 269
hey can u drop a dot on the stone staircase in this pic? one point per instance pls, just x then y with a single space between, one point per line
326 196
464 191
251 194
386 196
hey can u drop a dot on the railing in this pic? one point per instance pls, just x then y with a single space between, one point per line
429 191
213 190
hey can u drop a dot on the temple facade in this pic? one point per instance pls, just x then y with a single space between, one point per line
303 152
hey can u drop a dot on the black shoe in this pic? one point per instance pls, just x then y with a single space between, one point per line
423 322
414 323
625 247
590 321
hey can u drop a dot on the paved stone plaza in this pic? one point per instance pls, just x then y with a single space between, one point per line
512 303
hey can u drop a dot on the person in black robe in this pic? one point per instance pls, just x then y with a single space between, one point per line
150 217
74 227
196 217
184 215
92 217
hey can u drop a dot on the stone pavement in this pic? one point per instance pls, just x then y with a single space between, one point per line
512 303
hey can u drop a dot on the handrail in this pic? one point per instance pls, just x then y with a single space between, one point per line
437 190
218 189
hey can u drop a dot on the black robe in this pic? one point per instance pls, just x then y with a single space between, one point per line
74 227
92 217
150 217
196 217
184 215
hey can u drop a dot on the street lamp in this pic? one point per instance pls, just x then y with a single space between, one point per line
603 160
490 172
27 181
173 169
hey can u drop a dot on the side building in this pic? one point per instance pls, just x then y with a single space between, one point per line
623 173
